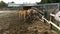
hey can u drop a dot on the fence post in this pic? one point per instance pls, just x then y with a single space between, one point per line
50 20
44 16
58 24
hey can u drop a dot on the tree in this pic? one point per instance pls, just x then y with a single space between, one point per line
12 2
48 1
2 4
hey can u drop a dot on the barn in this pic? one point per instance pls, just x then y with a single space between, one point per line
22 6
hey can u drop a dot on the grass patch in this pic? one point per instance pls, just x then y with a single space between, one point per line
55 29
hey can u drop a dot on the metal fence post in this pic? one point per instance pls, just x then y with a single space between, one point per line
50 20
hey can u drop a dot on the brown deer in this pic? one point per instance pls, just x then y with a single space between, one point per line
28 15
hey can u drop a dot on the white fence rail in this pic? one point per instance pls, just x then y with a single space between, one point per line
52 24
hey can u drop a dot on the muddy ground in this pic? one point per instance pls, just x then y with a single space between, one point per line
11 24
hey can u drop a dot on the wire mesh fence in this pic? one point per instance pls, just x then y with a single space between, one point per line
52 8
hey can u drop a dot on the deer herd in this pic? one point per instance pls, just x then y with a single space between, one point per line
28 15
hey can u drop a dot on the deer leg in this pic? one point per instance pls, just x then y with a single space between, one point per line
24 17
20 17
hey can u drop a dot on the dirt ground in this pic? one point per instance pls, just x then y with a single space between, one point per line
10 24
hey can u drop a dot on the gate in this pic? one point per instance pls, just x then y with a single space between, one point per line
50 11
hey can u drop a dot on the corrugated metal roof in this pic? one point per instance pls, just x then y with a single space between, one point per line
18 5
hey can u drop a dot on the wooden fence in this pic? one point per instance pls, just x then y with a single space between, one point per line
50 21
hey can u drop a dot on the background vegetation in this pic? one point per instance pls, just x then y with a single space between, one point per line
3 4
48 1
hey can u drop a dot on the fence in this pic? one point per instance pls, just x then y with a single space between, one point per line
49 11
